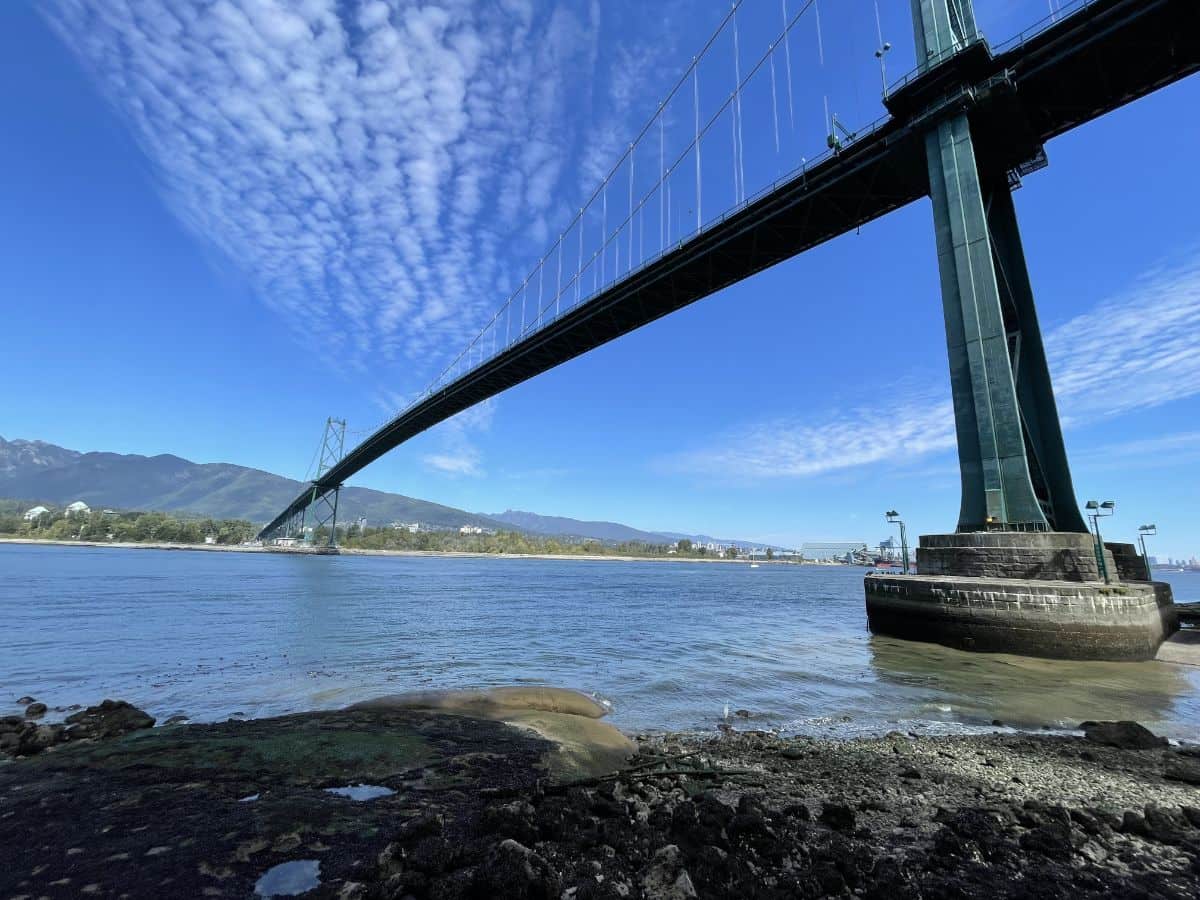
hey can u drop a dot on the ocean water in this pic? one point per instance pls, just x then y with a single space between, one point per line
668 644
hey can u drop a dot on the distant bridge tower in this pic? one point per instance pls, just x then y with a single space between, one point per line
1010 446
323 501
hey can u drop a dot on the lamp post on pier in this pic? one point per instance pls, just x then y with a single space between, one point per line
1095 512
893 518
1143 532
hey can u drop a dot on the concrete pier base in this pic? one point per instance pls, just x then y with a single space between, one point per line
1030 593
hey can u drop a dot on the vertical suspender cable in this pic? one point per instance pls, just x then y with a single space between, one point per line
629 262
524 293
662 177
774 102
558 281
696 104
737 90
579 264
787 55
821 57
541 268
617 253
820 42
603 232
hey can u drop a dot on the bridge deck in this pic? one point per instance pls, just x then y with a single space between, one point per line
1087 64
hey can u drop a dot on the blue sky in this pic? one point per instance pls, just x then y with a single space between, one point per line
222 222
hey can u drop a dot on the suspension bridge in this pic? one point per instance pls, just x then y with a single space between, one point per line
690 208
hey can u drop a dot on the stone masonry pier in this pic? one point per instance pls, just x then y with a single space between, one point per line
1030 593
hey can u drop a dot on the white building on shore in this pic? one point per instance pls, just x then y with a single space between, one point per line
36 513
78 508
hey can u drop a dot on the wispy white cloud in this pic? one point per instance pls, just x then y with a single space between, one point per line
1133 351
458 453
362 162
797 446
1163 451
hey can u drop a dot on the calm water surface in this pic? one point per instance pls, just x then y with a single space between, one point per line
212 635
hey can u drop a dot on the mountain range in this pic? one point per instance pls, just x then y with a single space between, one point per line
43 472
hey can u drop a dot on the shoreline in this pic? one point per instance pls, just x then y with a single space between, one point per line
466 807
354 551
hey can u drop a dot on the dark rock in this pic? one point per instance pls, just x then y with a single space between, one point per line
1183 768
111 718
513 870
425 825
797 811
1126 735
1052 840
391 860
997 723
666 878
1090 822
749 826
24 701
793 753
702 820
35 710
742 713
37 738
1192 814
838 816
434 855
971 834
176 720
1134 823
910 773
514 820
1166 825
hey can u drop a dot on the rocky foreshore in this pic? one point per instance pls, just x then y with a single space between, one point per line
391 802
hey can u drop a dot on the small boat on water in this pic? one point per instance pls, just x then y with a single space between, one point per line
754 565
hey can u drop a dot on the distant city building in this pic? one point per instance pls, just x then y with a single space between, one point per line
470 529
410 527
840 551
210 539
78 508
35 513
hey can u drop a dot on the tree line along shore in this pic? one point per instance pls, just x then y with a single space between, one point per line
129 527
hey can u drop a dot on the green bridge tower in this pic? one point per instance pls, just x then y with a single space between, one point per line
1010 446
1021 574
